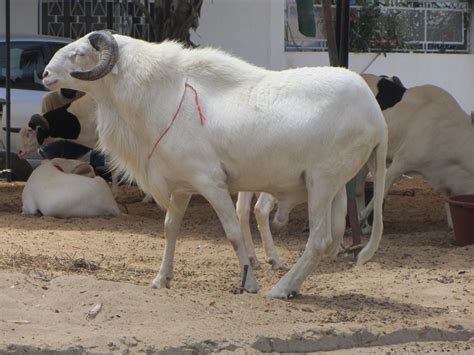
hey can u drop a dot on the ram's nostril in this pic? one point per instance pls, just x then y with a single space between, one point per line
45 74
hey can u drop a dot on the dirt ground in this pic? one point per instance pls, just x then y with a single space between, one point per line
415 295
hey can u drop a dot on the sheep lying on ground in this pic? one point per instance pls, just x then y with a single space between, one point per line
67 188
181 121
75 122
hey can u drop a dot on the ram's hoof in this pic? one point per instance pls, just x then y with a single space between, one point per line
254 262
278 293
161 283
276 263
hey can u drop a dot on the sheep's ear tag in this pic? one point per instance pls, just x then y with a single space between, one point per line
115 70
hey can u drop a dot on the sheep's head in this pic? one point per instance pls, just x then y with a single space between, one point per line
28 143
33 135
89 58
387 90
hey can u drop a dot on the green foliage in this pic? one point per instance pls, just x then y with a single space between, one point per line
375 30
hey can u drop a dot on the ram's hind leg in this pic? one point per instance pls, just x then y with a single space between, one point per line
263 208
338 222
172 224
242 208
320 195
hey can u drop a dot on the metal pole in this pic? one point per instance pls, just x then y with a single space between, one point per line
344 34
338 27
7 90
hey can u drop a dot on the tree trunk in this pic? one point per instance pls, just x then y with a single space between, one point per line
172 19
330 33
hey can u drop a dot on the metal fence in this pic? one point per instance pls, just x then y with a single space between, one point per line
420 26
75 18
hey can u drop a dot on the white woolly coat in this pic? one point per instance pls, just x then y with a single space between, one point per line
263 130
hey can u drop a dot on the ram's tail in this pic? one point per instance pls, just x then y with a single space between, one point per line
378 158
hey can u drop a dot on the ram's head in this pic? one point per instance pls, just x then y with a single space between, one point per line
89 58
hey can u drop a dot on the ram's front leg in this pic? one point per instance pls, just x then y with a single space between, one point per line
172 225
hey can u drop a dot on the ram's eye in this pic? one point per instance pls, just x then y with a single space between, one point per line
76 53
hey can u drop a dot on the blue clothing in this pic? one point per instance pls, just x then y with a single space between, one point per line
97 159
70 150
63 149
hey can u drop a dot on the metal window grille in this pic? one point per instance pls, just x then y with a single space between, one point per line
75 18
427 26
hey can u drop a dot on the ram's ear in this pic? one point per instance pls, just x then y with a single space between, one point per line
115 70
41 135
84 169
397 81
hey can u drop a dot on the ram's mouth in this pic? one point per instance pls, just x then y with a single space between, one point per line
49 83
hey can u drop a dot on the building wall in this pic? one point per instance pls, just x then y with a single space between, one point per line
24 16
240 26
254 30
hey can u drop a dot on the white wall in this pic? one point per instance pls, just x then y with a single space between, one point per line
239 26
254 30
24 16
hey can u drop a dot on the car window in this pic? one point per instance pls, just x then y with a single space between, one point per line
53 48
27 64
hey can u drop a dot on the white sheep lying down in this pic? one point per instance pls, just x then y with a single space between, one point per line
75 122
67 188
237 127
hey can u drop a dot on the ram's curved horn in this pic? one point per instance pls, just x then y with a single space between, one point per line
105 43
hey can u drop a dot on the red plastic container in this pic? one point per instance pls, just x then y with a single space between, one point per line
462 213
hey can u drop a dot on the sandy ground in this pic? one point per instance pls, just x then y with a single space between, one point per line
416 295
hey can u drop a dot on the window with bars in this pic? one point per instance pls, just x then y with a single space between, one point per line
75 18
391 25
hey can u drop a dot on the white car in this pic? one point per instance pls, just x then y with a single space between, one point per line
29 55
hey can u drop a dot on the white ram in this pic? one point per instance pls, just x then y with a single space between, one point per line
221 125
67 188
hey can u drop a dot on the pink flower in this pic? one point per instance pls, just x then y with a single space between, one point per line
380 42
